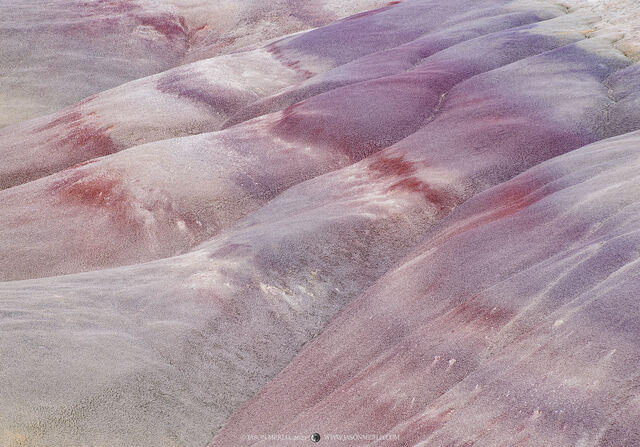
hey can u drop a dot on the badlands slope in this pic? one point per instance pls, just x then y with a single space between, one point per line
61 51
417 222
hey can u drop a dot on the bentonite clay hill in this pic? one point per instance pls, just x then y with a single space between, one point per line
416 225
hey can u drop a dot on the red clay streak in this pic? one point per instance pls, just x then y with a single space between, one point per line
506 201
165 24
83 140
98 192
64 120
393 166
399 167
291 63
442 199
478 315
81 188
92 141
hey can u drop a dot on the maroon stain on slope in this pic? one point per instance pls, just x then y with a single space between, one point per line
393 166
342 121
105 193
86 188
299 123
122 17
170 26
91 141
96 191
478 315
294 64
81 139
442 199
387 166
506 200
65 119
194 35
193 87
